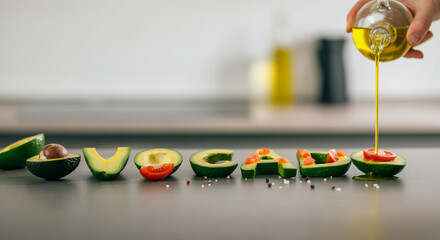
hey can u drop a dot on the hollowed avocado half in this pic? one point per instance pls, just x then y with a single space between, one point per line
385 169
213 162
53 169
158 156
268 165
15 155
106 168
321 168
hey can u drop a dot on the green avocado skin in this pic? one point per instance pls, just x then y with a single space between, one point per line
213 170
268 165
384 170
325 170
53 170
104 175
16 157
211 173
334 171
176 165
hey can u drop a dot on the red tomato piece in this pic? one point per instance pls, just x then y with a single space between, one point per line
309 161
264 151
381 156
303 153
331 156
252 159
282 160
341 153
157 172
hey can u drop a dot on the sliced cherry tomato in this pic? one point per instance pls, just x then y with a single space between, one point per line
264 151
252 159
341 153
331 156
303 153
157 172
282 160
381 156
309 161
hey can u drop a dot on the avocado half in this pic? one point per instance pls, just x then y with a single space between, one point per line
321 168
385 169
15 155
106 168
53 169
158 156
213 162
268 165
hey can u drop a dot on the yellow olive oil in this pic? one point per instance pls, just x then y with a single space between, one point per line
397 47
281 89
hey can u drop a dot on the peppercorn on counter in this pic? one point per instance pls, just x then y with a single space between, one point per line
186 206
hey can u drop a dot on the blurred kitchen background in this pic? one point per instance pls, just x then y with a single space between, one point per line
199 73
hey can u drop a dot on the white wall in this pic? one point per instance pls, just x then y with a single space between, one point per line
180 49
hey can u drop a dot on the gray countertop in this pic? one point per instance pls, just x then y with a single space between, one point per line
81 207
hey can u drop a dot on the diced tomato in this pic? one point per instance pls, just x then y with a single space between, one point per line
252 159
309 161
381 156
303 153
282 160
331 156
157 172
264 151
341 153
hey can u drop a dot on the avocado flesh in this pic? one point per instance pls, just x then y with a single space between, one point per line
158 156
385 169
213 163
15 155
53 169
268 165
106 168
323 169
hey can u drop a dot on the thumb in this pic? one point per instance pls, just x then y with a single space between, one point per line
420 25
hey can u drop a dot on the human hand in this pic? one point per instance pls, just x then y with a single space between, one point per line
425 12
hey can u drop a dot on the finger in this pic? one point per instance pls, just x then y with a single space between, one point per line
420 26
428 36
412 53
352 14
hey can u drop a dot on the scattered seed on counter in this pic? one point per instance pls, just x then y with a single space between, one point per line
325 180
216 180
312 186
228 177
203 185
167 186
209 181
279 176
308 181
273 183
269 185
307 178
366 185
205 177
280 187
338 189
267 180
245 179
377 187
286 181
333 187
300 181
188 182
331 177
209 184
